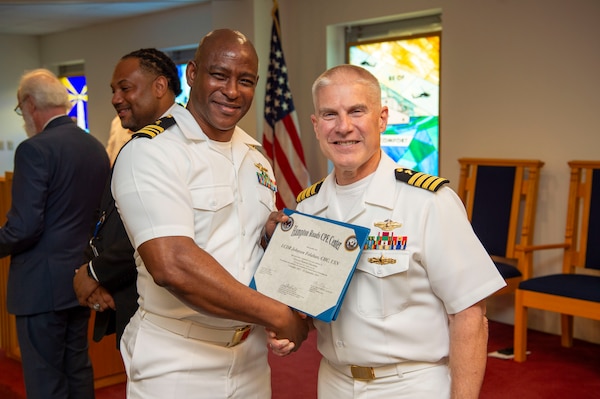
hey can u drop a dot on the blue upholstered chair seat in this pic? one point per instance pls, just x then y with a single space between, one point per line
576 286
507 271
500 197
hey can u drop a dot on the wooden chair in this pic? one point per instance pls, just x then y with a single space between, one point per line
500 196
575 291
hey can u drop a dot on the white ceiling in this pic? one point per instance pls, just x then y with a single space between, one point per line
40 17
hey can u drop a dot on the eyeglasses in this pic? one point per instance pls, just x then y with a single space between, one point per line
18 110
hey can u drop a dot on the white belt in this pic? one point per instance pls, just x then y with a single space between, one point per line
227 337
370 373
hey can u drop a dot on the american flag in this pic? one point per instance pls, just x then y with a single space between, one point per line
281 132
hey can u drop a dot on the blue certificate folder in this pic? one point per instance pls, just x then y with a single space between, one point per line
309 263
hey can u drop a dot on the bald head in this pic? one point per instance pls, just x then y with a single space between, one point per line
222 78
227 39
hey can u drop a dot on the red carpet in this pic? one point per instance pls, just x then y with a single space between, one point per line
7 393
295 376
550 371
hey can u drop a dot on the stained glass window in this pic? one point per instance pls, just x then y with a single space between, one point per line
78 97
408 71
185 89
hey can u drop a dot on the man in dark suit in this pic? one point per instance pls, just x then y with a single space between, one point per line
145 84
59 174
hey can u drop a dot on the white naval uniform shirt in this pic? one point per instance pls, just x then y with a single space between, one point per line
180 184
398 312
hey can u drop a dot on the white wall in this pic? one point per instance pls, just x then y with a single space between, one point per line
19 53
101 46
519 80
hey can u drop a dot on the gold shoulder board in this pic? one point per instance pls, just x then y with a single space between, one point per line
421 180
151 131
310 191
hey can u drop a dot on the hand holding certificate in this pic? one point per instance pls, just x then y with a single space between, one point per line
309 263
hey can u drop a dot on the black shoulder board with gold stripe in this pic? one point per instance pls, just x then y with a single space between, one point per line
422 180
309 192
151 131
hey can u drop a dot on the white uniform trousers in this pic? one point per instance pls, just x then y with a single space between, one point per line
164 365
428 383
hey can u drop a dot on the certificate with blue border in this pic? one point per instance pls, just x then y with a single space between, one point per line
309 263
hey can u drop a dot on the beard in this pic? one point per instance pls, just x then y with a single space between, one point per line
29 125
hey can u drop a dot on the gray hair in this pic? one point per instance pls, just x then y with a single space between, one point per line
353 74
44 88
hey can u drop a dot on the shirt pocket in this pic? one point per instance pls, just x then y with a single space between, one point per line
382 284
211 199
266 197
213 209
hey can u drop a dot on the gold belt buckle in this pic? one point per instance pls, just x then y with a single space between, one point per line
239 336
362 373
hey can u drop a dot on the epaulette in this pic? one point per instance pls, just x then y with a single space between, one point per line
310 191
421 180
151 131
